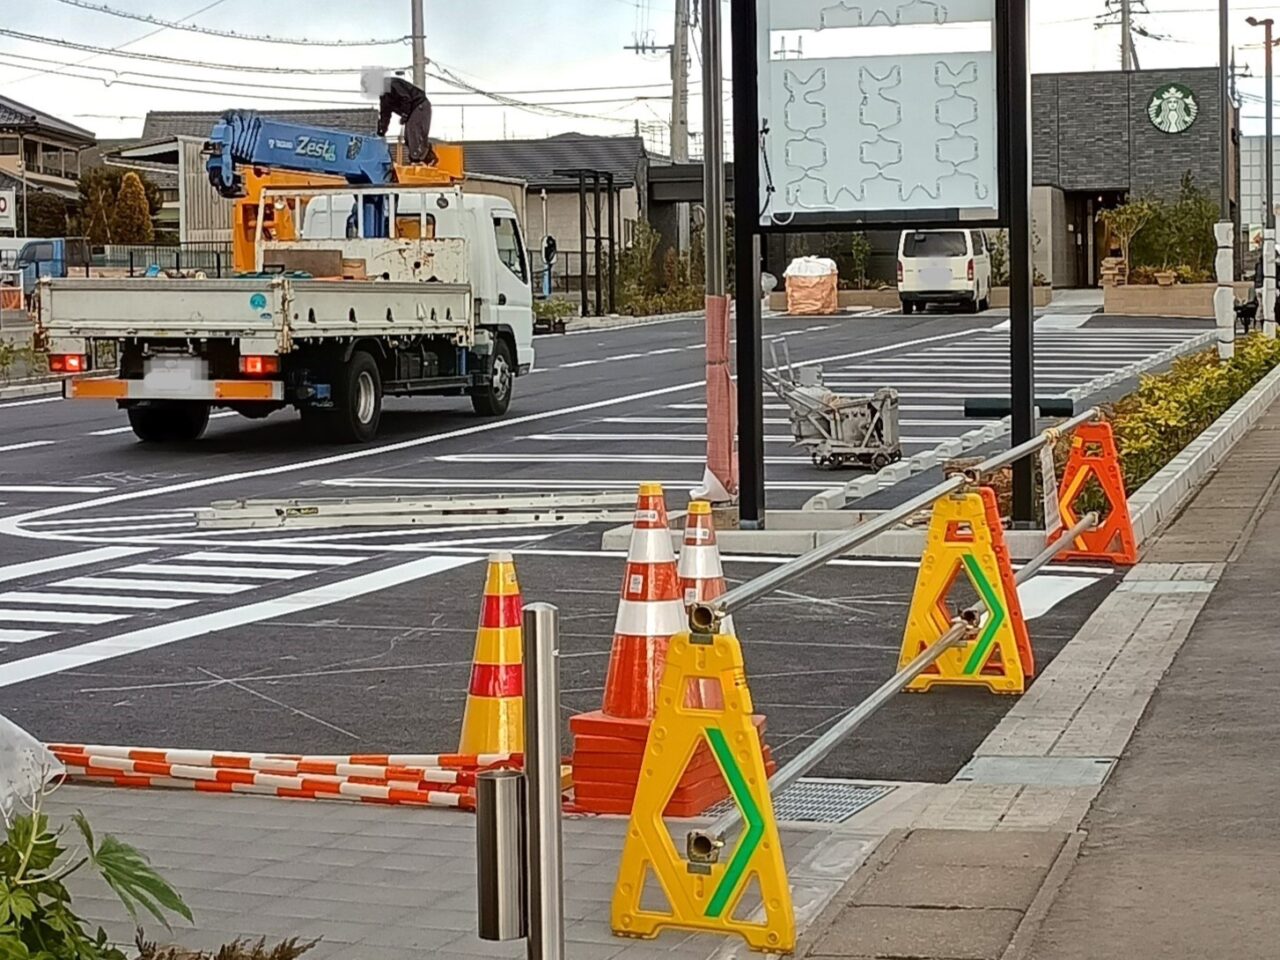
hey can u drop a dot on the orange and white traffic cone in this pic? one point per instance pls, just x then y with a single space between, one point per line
701 572
494 718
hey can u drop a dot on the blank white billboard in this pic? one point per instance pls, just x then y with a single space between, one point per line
877 106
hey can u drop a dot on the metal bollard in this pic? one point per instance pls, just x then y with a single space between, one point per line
502 862
542 764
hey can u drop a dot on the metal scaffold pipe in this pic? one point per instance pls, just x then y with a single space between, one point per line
964 627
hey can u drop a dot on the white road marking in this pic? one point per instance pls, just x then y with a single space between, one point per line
58 616
136 518
93 600
156 586
194 570
32 568
28 403
664 352
31 668
780 421
29 445
532 484
663 438
14 525
48 488
587 458
22 636
578 363
320 560
1042 593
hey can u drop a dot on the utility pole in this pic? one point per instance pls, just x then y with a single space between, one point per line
1126 36
419 45
1268 310
1224 232
680 112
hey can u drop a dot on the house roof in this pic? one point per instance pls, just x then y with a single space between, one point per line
20 117
10 182
200 123
536 161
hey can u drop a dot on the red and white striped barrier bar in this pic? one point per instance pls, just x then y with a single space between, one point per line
321 783
353 771
358 793
237 760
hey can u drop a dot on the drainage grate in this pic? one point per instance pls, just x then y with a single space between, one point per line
820 801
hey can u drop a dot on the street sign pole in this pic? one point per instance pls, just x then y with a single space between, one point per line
746 172
1022 312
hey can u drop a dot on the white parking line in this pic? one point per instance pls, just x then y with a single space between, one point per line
59 616
195 570
28 403
22 636
43 665
380 483
50 488
156 586
32 568
320 560
94 600
29 445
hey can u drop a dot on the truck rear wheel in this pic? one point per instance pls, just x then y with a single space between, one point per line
358 400
172 422
494 399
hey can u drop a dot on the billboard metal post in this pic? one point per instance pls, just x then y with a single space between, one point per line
746 167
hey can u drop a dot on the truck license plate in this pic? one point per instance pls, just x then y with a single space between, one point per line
175 374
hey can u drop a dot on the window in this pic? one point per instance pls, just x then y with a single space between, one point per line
8 146
943 243
510 249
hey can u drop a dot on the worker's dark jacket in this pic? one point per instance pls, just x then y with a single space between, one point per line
401 99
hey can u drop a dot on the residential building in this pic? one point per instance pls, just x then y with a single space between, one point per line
39 152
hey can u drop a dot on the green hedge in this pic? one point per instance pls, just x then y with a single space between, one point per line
1168 411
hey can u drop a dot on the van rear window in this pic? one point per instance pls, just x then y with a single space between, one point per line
951 243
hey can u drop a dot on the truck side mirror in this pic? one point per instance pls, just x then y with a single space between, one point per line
549 251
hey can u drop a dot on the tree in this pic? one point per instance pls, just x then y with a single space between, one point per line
46 215
131 218
1126 222
99 190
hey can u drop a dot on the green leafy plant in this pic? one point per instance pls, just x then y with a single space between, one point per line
548 310
860 259
1126 222
37 920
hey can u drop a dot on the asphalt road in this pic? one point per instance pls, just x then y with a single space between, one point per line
119 621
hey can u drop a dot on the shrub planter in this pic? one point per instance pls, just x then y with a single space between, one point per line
1179 300
1000 297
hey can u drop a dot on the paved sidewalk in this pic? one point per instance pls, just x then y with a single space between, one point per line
1163 709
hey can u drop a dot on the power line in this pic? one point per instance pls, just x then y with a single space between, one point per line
229 34
178 61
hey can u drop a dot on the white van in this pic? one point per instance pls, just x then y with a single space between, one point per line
944 266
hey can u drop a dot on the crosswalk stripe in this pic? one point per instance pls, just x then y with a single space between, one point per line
156 586
665 438
590 458
194 570
93 600
22 636
58 616
319 560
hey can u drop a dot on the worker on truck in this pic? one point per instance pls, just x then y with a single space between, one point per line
402 99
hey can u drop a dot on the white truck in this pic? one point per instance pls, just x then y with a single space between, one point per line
387 291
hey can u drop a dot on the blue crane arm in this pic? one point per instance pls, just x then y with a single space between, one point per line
246 138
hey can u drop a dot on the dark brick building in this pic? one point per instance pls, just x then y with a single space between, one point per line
1097 140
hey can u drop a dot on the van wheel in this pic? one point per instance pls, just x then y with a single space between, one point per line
174 422
494 399
972 305
358 401
985 303
908 307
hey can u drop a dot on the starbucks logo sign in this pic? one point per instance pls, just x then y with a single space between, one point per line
1173 108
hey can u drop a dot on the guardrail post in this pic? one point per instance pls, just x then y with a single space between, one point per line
502 855
542 766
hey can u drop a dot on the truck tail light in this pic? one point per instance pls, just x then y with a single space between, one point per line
971 272
259 366
902 271
67 363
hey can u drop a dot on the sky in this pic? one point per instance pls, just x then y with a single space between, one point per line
565 52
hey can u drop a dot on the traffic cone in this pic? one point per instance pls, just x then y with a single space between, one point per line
494 718
702 578
608 743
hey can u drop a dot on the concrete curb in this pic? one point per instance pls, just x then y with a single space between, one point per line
1024 938
42 388
1160 498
